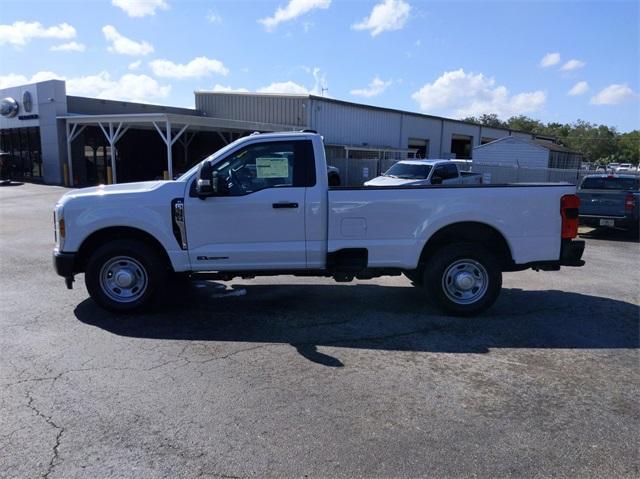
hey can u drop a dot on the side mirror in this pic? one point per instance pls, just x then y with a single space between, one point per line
436 180
204 184
210 183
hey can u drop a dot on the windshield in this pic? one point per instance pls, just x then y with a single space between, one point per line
409 171
610 183
194 168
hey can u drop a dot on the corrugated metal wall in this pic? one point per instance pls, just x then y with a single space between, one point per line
283 110
511 151
355 126
342 123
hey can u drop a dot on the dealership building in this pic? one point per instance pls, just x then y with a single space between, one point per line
49 136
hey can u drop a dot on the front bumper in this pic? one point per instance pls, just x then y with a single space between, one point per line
65 265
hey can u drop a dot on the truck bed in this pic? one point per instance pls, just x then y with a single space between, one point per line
395 223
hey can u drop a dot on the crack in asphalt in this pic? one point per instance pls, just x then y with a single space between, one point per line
59 432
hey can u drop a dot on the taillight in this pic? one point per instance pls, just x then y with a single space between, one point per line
629 203
569 205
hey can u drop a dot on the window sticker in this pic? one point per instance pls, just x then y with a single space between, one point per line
267 167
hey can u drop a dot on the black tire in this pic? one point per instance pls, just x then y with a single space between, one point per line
139 261
468 264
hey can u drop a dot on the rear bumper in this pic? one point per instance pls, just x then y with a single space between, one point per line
618 221
571 253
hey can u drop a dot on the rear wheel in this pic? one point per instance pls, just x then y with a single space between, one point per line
463 279
125 275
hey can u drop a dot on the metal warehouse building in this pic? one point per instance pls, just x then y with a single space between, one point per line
47 135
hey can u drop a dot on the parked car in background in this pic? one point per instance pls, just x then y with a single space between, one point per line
425 172
624 167
610 200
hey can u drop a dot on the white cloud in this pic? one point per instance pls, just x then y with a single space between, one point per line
386 16
135 65
129 87
289 87
550 59
68 47
198 67
294 9
228 89
469 94
124 45
14 79
572 65
213 17
613 95
20 33
375 88
579 88
140 8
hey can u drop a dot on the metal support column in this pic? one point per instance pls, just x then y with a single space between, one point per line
113 137
169 141
72 134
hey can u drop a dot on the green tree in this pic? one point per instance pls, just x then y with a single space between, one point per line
628 150
524 123
487 120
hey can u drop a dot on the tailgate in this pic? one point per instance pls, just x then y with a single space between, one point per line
602 203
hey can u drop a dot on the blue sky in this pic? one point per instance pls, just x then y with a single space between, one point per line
444 58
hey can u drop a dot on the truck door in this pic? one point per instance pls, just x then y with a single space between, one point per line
257 221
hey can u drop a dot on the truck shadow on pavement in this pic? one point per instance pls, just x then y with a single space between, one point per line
375 317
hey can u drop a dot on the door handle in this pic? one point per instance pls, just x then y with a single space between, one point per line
285 204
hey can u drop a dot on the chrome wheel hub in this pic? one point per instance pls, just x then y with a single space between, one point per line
465 281
123 279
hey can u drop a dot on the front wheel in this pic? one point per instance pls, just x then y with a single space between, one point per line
125 275
463 279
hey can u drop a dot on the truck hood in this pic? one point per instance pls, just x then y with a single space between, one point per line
120 189
390 181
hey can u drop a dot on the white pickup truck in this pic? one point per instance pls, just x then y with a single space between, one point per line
262 206
425 172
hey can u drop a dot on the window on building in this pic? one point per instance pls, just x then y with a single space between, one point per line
23 156
485 139
420 146
461 146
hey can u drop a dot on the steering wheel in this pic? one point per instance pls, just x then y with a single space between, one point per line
235 182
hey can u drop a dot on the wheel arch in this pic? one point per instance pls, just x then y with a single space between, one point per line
102 236
470 232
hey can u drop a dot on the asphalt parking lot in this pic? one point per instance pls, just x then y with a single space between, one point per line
290 377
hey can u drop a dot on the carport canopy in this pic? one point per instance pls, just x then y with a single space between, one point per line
170 126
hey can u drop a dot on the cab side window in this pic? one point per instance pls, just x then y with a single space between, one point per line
268 165
450 171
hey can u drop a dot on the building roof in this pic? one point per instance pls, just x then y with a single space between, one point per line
547 145
364 106
554 147
203 122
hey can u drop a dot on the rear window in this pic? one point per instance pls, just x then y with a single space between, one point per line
409 171
610 183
